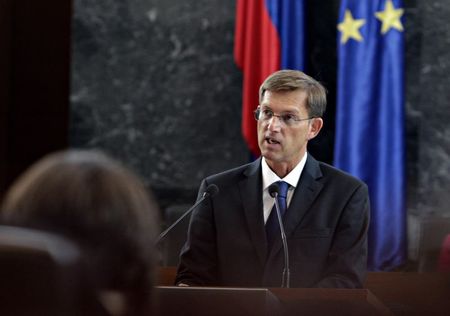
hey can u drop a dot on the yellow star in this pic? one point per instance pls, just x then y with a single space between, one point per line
350 28
390 18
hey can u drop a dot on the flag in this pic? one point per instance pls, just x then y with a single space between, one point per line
370 118
269 35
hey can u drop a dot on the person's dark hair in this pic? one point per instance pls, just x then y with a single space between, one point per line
94 201
290 80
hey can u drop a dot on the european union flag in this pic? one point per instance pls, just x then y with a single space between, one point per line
370 118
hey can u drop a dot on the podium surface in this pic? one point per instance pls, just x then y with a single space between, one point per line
224 301
403 293
217 301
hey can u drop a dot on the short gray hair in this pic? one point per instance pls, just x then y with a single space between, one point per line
290 80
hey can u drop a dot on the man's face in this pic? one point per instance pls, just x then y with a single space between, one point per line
284 145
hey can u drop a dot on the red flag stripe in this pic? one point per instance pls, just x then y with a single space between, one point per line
257 53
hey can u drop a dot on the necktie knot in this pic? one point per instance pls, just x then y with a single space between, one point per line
284 187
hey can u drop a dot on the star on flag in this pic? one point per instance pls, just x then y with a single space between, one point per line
389 17
350 28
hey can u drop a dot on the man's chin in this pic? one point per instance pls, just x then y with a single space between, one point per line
270 155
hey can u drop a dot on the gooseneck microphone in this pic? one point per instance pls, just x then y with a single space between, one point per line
274 190
210 191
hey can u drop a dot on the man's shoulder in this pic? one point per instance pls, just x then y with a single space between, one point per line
230 179
236 172
339 175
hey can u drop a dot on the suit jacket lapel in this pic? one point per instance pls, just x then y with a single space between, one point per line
251 196
304 195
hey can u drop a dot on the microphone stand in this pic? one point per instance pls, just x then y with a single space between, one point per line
165 232
286 279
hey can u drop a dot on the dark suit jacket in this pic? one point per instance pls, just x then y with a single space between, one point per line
326 227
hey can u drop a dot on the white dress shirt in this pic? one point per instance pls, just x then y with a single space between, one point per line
269 177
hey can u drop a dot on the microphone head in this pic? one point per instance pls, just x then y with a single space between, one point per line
211 190
274 189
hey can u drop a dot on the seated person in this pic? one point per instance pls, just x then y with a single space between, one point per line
102 207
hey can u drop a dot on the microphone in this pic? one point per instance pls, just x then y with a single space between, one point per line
274 190
210 191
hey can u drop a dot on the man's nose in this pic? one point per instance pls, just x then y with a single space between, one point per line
274 123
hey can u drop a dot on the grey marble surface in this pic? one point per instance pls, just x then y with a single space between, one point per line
428 107
154 84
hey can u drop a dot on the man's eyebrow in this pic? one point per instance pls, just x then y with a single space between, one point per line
291 111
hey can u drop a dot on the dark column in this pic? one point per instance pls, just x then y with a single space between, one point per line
34 82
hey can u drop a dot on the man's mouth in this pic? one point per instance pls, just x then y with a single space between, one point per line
272 141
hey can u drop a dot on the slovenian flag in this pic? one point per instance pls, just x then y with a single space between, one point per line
370 118
269 36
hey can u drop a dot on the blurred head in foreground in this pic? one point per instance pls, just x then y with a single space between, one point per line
104 208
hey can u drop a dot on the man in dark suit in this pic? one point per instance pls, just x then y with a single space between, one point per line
327 213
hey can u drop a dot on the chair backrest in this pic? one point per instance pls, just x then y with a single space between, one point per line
444 258
432 232
41 274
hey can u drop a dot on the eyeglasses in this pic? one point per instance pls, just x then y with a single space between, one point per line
287 119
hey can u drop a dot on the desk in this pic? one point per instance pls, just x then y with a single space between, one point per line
409 293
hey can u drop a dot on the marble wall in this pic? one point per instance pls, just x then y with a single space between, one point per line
154 84
428 107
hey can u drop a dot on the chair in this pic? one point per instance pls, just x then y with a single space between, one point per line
444 257
41 274
432 231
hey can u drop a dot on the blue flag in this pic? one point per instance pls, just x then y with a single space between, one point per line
370 118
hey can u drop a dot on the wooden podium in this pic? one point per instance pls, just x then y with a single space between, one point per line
403 294
225 301
217 301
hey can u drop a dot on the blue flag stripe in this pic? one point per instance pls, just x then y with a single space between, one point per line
288 18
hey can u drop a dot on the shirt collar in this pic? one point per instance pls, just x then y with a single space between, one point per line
269 177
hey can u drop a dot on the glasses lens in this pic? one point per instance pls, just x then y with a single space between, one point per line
285 119
265 115
257 113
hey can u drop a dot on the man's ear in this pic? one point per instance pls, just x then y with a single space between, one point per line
315 127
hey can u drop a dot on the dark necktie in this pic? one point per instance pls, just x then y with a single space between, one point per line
272 226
